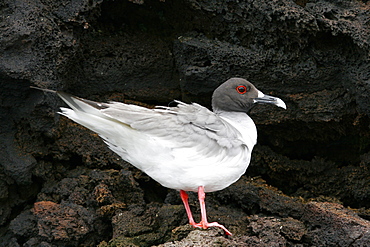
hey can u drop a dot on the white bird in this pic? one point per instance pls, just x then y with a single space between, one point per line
186 147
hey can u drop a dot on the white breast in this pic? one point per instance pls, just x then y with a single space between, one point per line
186 169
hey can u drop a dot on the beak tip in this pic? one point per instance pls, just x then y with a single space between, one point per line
280 103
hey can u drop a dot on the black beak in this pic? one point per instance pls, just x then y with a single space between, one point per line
267 99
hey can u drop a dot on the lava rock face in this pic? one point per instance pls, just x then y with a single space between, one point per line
309 180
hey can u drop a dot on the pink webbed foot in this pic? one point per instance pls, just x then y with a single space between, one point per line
205 225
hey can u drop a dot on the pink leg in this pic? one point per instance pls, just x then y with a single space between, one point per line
204 222
184 197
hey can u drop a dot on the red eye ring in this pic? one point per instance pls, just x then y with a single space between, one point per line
241 89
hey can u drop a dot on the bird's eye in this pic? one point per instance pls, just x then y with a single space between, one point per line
241 89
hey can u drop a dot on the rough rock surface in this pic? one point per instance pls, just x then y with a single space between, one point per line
309 180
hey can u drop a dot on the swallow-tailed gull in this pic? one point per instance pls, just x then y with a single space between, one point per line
186 147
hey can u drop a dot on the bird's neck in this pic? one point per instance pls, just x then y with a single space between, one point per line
243 123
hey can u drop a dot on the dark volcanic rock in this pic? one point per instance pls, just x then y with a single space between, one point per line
331 224
61 186
66 223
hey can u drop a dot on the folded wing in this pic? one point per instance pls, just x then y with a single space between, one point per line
163 134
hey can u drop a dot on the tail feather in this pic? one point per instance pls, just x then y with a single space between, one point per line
90 115
76 103
79 104
105 127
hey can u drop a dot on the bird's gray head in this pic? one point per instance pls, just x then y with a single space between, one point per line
239 95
